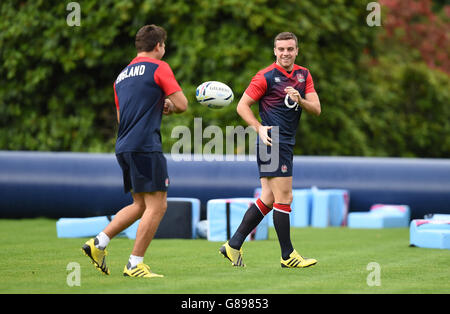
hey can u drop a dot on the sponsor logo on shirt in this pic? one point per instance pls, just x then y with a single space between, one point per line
290 103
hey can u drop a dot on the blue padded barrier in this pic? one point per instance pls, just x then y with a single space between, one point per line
301 207
381 216
329 207
88 227
195 203
50 184
430 233
439 217
84 227
81 227
55 185
225 215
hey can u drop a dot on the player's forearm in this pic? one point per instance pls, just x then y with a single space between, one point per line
247 115
178 102
312 107
179 110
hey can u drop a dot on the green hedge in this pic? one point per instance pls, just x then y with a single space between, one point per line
56 81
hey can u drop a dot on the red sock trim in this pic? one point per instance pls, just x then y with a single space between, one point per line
285 208
262 207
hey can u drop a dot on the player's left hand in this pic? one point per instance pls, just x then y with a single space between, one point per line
293 94
168 107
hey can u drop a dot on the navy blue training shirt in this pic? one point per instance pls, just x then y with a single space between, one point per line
275 107
140 90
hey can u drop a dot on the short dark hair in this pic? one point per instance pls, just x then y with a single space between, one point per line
149 36
285 36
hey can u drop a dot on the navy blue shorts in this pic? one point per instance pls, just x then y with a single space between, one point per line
273 162
143 172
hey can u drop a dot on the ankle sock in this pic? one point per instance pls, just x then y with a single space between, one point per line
133 261
101 241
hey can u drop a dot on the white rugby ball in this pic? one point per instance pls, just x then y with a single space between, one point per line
213 94
202 229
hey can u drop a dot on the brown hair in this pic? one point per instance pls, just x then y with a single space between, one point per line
285 36
149 36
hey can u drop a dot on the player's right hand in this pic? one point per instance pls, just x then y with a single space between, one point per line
168 107
263 132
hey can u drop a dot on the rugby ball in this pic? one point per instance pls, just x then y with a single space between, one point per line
202 229
213 94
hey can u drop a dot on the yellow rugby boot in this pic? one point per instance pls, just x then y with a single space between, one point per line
295 260
141 270
96 255
235 256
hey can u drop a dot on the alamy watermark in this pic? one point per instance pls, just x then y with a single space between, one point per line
74 276
213 150
374 17
74 17
374 277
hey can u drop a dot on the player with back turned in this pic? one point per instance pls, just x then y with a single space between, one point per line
283 90
144 91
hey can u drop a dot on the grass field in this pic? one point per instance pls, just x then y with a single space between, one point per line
34 260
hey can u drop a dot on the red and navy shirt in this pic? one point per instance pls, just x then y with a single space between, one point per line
140 90
275 107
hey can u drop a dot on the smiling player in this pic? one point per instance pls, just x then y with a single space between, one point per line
283 90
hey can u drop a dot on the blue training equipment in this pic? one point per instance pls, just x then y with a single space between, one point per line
381 216
225 215
329 207
439 217
67 184
430 233
81 227
180 221
301 207
202 229
195 204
